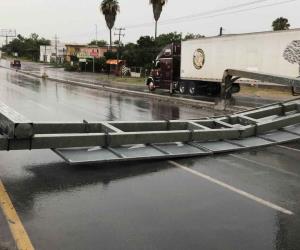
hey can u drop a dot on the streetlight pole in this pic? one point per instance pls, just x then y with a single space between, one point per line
119 41
93 64
96 27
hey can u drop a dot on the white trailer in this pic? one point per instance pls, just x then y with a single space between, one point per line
197 66
269 52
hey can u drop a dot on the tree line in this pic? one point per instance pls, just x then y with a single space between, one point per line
28 48
142 53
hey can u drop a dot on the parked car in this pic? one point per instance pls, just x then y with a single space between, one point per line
15 64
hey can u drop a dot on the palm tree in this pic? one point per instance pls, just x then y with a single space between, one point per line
157 9
109 9
281 23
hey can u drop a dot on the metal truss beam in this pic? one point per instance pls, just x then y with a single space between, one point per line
232 75
19 133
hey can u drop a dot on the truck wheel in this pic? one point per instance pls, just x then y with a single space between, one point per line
151 86
182 88
192 88
171 88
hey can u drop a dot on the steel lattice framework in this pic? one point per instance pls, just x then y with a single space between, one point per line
88 141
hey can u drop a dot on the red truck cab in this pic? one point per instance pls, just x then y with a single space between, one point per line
166 72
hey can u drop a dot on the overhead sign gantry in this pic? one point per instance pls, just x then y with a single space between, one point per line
95 142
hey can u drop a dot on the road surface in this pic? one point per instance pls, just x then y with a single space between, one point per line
247 200
249 100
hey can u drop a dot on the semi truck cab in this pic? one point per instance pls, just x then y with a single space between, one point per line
166 72
166 75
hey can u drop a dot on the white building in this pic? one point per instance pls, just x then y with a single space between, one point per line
52 53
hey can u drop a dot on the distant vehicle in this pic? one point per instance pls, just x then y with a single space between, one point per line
15 64
196 66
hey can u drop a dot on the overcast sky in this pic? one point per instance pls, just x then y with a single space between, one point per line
75 20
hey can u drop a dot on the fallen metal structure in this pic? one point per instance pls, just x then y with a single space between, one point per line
230 76
95 142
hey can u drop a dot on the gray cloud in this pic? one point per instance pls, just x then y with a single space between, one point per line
75 20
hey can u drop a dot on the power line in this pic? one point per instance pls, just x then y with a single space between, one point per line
234 12
7 33
203 13
209 14
119 34
184 18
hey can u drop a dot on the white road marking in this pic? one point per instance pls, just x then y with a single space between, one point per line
233 189
288 148
40 105
266 166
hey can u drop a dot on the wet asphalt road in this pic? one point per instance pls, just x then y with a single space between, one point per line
145 205
39 68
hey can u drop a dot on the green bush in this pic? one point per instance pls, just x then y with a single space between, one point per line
69 67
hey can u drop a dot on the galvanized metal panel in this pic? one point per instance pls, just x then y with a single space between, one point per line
169 150
67 140
277 123
79 155
148 137
215 134
252 142
75 156
279 136
218 146
293 129
180 149
141 151
13 124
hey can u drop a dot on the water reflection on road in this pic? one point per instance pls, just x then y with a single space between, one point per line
31 97
145 205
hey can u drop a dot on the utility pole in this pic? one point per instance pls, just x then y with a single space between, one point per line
119 34
45 54
7 33
96 26
221 31
55 46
